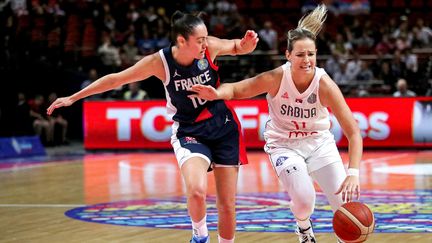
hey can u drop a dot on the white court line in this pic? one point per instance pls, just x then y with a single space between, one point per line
41 205
36 165
372 160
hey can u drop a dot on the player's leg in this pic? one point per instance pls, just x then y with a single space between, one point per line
293 174
226 188
194 160
194 172
329 178
228 153
328 171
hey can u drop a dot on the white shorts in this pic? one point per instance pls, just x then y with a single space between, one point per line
316 152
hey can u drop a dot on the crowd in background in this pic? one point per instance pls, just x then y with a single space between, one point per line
369 50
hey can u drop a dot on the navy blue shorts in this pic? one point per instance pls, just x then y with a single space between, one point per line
218 140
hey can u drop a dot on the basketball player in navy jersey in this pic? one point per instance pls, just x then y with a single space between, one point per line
298 139
205 133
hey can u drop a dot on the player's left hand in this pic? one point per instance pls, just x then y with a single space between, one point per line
350 188
249 42
205 92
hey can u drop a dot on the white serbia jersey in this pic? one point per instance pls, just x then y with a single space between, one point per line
295 115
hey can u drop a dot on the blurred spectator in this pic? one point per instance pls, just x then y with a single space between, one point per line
162 39
129 52
332 6
19 7
22 119
424 33
332 64
365 72
218 22
341 46
411 60
343 76
354 66
402 89
385 45
135 92
225 6
58 123
398 65
147 43
192 6
269 36
109 55
41 125
354 6
387 75
92 76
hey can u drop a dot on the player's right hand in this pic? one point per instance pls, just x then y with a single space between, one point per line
205 92
59 102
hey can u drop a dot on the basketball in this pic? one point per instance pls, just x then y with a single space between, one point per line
353 222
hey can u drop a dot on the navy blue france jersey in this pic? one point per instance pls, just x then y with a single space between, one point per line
179 79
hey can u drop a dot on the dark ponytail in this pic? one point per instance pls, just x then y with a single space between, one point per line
184 24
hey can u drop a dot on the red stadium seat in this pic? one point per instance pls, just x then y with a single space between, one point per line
398 3
256 4
380 4
419 4
293 4
240 4
277 4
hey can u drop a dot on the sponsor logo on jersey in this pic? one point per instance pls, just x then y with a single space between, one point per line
291 169
299 112
312 98
203 64
299 101
176 74
227 119
285 95
281 160
190 140
301 134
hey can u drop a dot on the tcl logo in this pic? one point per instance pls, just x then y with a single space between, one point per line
374 127
152 130
155 123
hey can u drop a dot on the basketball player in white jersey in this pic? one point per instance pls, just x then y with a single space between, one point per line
298 140
206 135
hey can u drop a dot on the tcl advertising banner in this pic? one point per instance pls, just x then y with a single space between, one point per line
383 122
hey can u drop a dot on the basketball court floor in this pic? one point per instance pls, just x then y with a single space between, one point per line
72 195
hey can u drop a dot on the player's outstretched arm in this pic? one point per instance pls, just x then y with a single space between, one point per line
222 47
143 69
267 82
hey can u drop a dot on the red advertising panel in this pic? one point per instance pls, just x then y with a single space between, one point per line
383 122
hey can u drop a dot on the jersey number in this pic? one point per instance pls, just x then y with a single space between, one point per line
299 125
197 101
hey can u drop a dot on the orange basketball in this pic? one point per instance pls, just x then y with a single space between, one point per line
353 222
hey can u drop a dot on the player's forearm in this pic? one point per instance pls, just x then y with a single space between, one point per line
101 85
225 92
355 150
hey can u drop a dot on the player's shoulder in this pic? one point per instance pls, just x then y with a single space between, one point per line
324 79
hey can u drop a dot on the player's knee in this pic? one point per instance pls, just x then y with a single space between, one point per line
197 192
303 208
226 204
226 207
